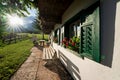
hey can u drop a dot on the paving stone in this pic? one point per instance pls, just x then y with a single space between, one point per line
29 66
35 68
24 75
30 59
45 74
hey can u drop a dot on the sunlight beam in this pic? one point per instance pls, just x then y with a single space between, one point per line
14 20
14 23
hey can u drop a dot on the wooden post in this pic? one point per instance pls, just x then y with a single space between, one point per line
43 35
15 38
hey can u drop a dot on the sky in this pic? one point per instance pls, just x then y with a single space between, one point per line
33 12
30 17
28 22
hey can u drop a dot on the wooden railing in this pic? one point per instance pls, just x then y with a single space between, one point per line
13 38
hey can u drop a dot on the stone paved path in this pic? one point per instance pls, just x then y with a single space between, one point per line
34 68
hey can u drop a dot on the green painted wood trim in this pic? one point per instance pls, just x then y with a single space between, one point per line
96 53
93 19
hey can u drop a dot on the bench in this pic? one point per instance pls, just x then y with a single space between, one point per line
42 42
49 53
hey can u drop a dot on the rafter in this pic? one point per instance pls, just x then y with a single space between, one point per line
51 11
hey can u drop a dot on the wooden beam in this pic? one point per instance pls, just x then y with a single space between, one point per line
51 12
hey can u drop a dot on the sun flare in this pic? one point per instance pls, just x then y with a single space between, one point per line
14 20
14 23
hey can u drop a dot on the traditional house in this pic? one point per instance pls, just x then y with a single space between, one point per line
85 35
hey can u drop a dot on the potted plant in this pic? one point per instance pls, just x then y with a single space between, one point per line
65 42
72 43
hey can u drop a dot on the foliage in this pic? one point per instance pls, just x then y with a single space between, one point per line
65 42
72 43
12 56
3 34
2 25
16 6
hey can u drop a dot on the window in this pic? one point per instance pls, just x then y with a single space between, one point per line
90 35
78 31
58 35
62 34
55 39
87 40
74 30
84 25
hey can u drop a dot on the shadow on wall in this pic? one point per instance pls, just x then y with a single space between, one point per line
56 66
108 14
72 68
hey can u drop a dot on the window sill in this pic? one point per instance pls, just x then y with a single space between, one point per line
73 52
82 55
86 55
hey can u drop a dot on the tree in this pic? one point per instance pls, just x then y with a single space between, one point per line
14 6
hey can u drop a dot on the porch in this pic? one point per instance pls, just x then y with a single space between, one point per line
41 65
85 41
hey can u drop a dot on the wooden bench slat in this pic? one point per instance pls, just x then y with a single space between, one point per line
52 53
44 53
52 49
48 53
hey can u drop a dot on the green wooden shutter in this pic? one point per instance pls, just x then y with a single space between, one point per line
96 45
90 43
87 40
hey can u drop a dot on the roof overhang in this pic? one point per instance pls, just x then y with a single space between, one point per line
51 12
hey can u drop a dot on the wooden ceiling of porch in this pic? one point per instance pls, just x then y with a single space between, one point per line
51 12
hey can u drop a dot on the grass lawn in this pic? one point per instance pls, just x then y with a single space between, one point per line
39 36
12 56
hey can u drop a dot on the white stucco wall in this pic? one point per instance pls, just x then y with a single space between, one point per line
75 7
88 69
116 55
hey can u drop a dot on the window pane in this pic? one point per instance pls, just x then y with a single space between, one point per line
78 31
